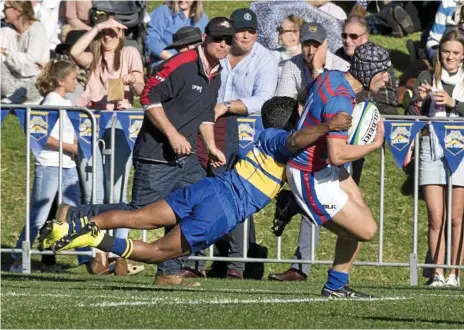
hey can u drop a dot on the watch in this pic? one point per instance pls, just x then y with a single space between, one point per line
227 104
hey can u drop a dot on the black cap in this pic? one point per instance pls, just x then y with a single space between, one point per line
71 39
244 18
313 31
368 60
185 36
220 26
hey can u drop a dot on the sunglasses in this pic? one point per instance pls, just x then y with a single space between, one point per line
352 36
226 39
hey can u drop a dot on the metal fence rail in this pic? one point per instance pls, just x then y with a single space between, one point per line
410 261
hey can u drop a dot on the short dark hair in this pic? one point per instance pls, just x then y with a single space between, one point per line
280 112
357 20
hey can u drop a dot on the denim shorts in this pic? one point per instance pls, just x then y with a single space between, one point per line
433 172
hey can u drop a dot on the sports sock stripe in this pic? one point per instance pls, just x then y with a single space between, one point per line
127 248
131 248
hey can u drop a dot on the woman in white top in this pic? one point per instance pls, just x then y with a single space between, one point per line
21 48
56 80
441 94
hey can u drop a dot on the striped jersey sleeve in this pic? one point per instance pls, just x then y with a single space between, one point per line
443 18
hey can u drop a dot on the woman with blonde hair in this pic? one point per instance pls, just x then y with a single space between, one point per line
166 20
56 80
22 45
441 94
289 39
108 61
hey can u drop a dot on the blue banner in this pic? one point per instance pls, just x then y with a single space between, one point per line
451 138
40 126
105 117
399 135
131 124
249 129
5 112
83 127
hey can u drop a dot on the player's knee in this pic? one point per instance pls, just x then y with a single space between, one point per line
456 221
370 231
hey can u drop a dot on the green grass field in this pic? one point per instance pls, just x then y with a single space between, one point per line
75 300
68 301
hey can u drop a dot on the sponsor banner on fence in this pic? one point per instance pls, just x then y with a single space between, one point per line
5 112
249 129
131 124
82 124
40 126
451 137
399 135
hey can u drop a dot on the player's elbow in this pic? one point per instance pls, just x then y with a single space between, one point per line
335 154
335 159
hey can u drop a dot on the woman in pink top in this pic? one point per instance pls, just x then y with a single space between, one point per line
108 59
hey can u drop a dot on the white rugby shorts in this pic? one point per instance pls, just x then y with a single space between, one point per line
319 193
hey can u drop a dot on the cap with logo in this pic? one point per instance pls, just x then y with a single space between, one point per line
244 18
313 31
220 26
185 36
368 60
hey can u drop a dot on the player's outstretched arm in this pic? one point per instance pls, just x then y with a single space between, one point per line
306 136
341 153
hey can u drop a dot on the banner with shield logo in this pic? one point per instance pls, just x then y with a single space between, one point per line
131 124
41 124
249 129
451 138
399 135
83 127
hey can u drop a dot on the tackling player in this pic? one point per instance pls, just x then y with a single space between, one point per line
208 209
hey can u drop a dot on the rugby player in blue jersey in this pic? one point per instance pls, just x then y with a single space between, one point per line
204 211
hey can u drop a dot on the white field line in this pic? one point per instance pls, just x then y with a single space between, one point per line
178 301
439 295
144 301
60 295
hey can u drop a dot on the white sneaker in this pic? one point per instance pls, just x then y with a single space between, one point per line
438 281
452 281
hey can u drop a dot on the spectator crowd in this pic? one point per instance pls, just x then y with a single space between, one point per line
196 76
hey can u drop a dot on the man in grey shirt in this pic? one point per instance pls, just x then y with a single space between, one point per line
297 73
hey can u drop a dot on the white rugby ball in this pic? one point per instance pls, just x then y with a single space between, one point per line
364 123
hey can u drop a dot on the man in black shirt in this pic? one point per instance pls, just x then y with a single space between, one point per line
179 99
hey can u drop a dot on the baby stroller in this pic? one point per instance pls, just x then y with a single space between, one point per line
129 13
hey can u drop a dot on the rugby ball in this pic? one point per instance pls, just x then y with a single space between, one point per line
364 123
